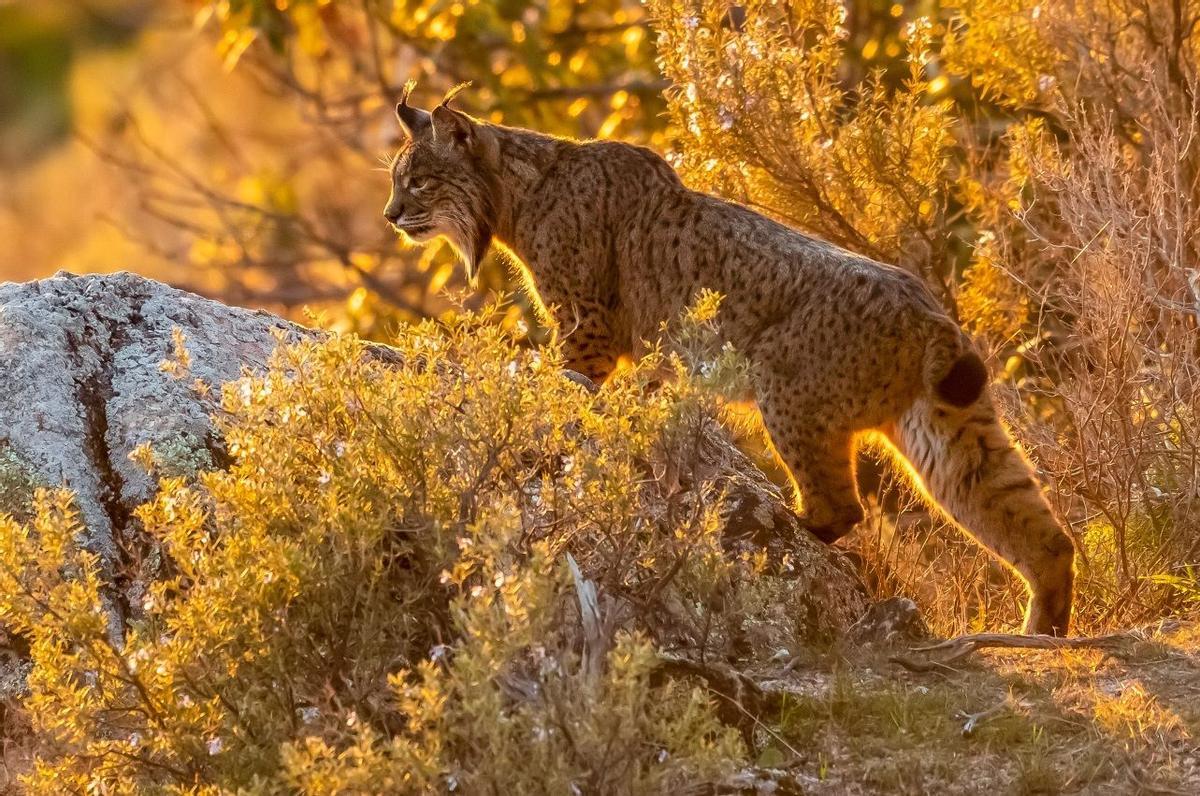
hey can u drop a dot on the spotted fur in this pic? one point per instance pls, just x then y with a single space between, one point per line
607 236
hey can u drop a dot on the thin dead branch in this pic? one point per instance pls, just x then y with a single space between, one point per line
956 649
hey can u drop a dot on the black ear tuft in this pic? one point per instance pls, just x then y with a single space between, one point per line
409 85
454 92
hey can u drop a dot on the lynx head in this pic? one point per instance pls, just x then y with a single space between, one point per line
443 181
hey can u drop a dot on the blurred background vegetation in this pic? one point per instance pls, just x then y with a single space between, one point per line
229 147
138 111
1036 162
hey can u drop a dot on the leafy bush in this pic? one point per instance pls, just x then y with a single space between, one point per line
374 595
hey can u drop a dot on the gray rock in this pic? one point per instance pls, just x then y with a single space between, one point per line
80 357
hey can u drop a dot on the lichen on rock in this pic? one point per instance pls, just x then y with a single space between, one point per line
18 481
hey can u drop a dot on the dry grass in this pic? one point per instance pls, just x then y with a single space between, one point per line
1054 722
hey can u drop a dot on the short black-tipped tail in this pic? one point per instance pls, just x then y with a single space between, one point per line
954 373
964 382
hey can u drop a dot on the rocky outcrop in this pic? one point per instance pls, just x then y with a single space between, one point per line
80 362
80 358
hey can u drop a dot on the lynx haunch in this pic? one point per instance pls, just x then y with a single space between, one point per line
606 233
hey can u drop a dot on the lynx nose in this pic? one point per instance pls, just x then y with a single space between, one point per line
394 211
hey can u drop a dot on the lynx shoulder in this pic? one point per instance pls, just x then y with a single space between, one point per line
608 235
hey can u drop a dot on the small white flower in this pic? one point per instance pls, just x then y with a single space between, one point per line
691 22
663 754
512 368
498 580
135 740
352 719
133 660
215 745
438 652
324 477
339 449
548 665
308 715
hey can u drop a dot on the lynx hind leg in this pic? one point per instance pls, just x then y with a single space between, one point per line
971 467
822 466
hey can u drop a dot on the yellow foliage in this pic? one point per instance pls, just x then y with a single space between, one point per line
374 596
765 118
1001 47
993 304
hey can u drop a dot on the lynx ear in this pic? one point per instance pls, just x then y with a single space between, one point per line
450 124
413 121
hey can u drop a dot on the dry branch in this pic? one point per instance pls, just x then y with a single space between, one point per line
962 646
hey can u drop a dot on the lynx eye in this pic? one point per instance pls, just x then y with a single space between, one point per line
419 183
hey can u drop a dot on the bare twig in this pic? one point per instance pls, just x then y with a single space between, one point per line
962 646
973 720
922 667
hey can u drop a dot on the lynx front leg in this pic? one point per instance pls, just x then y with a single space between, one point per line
821 463
823 469
587 340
